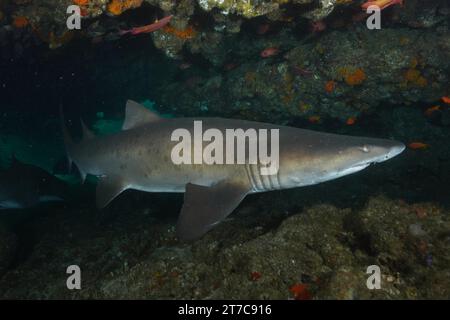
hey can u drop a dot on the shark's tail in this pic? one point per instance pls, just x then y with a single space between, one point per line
68 142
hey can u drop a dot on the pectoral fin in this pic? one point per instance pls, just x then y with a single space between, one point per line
107 189
204 207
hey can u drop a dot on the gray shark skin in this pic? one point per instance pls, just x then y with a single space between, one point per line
25 186
139 157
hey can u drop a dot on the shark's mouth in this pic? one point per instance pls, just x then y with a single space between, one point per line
343 172
355 168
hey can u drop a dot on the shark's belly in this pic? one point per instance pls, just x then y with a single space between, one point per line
174 178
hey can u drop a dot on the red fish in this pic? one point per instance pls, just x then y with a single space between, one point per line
382 4
148 28
300 291
417 145
446 100
429 112
269 52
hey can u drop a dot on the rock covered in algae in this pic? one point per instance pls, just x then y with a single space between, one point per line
47 18
45 21
324 9
340 75
261 253
248 9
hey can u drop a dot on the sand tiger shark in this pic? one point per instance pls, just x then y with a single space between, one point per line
139 157
25 186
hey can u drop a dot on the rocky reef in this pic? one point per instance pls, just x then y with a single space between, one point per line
323 61
261 253
340 75
308 63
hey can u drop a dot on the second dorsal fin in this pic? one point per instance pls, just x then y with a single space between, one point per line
137 115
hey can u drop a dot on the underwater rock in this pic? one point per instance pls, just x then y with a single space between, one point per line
422 14
46 19
325 8
197 27
240 7
258 254
367 70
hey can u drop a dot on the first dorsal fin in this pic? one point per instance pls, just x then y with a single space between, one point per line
87 134
137 115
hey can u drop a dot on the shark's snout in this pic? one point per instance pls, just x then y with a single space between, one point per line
385 150
375 151
396 149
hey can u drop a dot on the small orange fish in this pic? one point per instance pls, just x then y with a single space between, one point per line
300 291
431 110
350 121
417 145
330 86
20 22
314 119
446 100
269 52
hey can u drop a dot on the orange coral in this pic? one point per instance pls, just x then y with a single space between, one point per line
351 121
353 78
187 33
255 275
414 77
412 74
116 7
20 22
81 2
330 86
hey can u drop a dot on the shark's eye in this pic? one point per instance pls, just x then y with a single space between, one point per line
364 148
